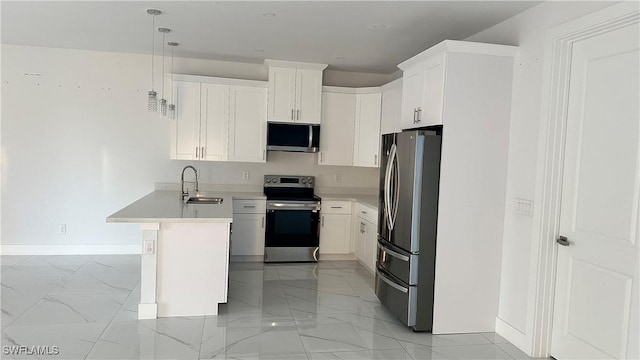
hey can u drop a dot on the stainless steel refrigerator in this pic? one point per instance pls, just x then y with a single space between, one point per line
407 226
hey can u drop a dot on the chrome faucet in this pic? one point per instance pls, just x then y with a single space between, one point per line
185 194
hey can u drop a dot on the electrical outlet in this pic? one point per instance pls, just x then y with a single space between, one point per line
338 178
62 229
524 207
245 175
149 247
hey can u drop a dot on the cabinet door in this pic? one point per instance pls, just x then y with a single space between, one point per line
367 130
430 110
412 84
308 96
214 125
370 245
335 233
337 130
360 245
282 94
247 237
391 111
247 124
185 130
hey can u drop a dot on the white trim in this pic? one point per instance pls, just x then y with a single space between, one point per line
512 334
395 84
350 90
460 47
295 65
147 311
220 80
70 249
559 43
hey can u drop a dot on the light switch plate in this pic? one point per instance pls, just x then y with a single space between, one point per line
524 207
149 247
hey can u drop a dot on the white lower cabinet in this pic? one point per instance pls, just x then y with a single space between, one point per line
247 238
366 235
335 227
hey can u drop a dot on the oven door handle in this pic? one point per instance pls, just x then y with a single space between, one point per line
289 206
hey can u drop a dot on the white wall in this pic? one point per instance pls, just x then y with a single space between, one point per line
527 30
78 144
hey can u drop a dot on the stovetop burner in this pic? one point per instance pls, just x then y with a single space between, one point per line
289 188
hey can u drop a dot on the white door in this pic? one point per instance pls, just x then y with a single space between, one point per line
214 125
366 150
430 110
247 124
596 296
185 139
338 121
308 96
282 94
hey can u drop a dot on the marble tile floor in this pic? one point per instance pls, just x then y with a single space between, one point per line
86 306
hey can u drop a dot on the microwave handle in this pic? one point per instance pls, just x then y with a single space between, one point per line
310 136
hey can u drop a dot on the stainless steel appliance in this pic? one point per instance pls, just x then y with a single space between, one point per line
293 137
293 214
405 264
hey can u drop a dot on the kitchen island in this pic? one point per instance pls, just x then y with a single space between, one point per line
185 253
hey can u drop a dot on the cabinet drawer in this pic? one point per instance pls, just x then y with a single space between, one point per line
367 213
249 206
336 207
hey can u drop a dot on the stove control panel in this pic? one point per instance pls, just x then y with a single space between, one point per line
291 181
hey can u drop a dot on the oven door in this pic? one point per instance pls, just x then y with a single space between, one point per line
292 232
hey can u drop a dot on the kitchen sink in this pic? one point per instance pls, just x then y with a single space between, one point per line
202 198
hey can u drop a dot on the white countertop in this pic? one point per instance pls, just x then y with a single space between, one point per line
366 199
167 206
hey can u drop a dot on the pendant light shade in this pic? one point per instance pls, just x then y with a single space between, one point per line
152 102
171 112
163 101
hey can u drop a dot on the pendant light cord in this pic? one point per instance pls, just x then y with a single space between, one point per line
162 91
153 52
172 73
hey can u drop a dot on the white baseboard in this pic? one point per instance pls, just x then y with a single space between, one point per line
70 249
332 257
147 311
513 335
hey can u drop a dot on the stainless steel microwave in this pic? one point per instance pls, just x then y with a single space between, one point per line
293 137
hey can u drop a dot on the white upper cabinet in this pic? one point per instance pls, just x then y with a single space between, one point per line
391 107
337 129
185 129
248 124
214 110
219 119
295 92
366 151
426 77
422 93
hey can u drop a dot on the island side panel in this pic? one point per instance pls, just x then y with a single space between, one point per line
193 261
148 307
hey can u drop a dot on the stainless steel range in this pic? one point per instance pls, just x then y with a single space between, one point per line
293 217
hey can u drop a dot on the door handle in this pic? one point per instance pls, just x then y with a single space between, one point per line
298 114
415 114
263 222
375 160
202 153
323 221
292 114
562 240
197 152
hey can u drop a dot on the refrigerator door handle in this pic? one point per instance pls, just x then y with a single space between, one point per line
391 282
387 203
392 159
396 255
396 194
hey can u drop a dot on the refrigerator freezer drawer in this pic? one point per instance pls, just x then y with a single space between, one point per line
397 262
399 299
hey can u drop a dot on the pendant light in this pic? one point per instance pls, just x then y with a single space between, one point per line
152 103
171 112
163 101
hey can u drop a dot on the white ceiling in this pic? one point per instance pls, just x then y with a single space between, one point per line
339 33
